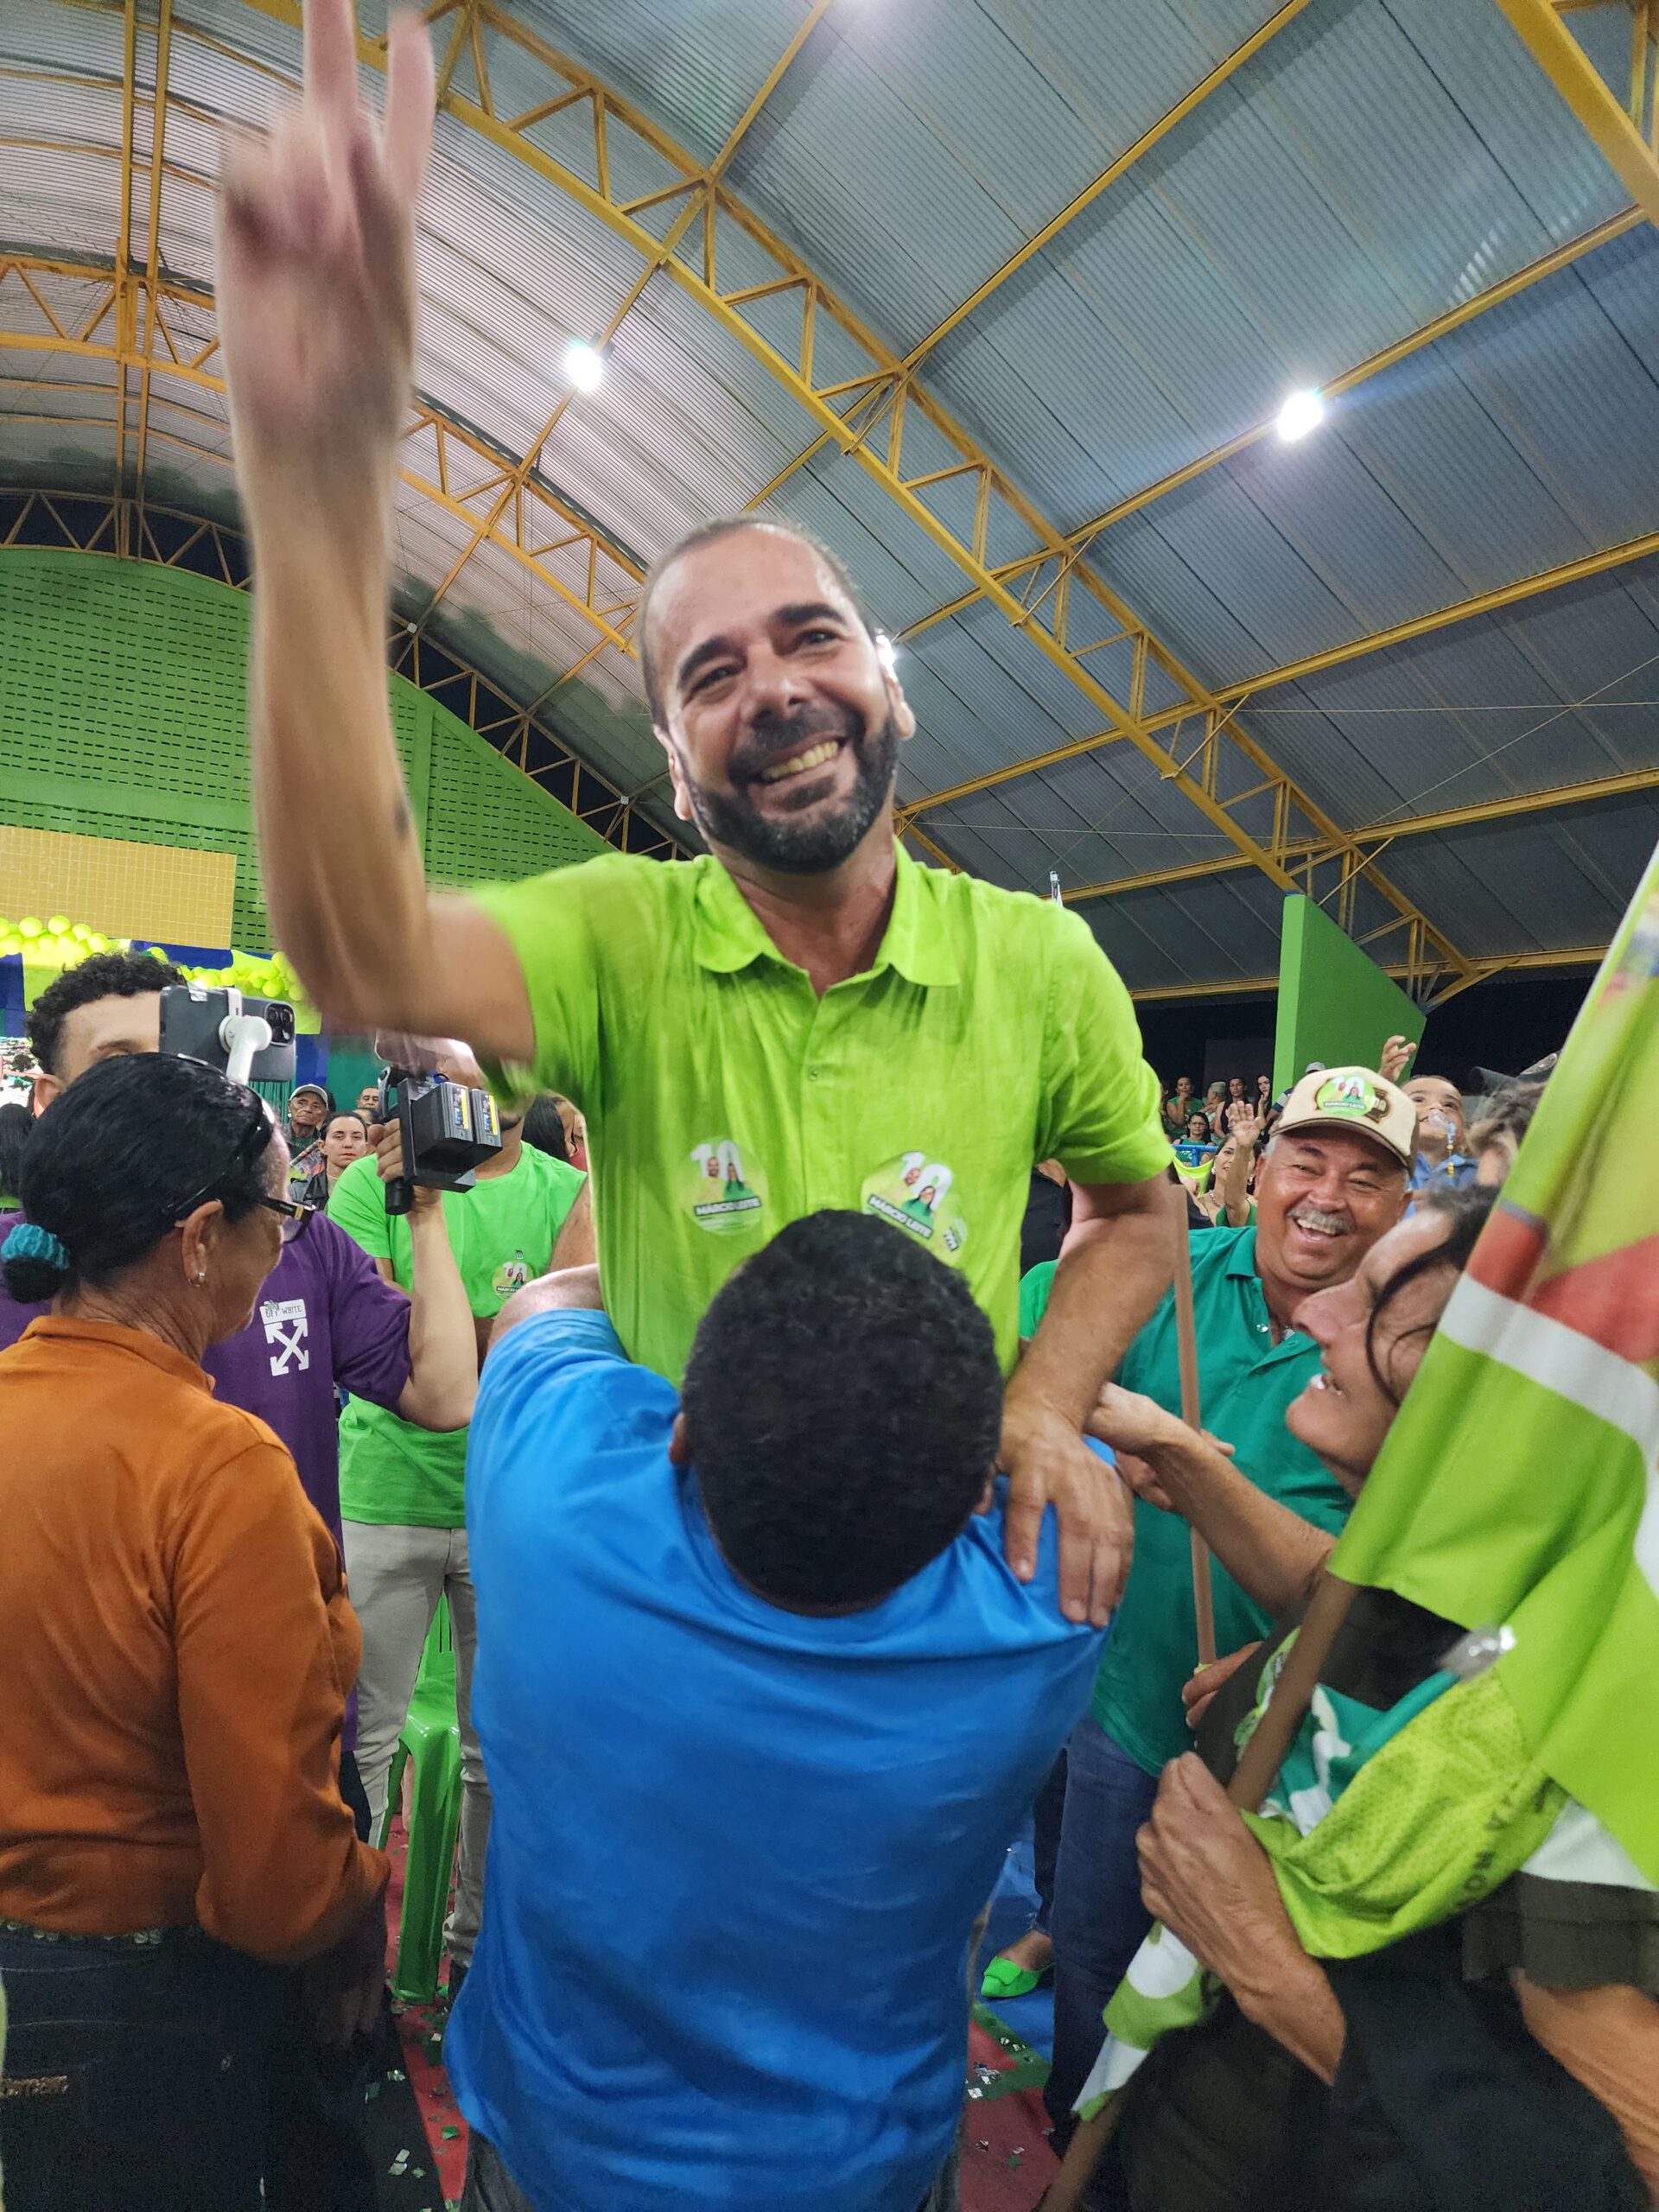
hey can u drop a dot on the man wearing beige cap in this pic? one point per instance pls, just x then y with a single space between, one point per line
1334 1181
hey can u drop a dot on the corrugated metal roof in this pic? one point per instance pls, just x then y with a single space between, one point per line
1533 884
1377 161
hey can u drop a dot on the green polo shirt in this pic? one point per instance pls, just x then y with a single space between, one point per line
724 1098
1245 1383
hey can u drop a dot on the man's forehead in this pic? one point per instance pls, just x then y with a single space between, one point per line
738 579
137 1019
1347 1146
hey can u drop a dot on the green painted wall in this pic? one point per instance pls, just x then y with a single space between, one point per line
1335 1003
124 713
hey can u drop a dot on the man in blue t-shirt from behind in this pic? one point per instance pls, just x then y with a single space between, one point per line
760 1704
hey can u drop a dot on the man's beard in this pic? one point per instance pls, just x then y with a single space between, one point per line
732 818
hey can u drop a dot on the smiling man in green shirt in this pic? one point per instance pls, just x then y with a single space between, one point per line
1333 1181
802 1012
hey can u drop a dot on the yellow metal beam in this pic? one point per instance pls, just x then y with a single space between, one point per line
123 236
1481 971
696 204
1380 834
1108 177
465 690
1569 68
993 491
133 302
1065 625
1237 697
1443 617
153 255
1465 311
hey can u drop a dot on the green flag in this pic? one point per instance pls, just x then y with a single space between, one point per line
1518 1484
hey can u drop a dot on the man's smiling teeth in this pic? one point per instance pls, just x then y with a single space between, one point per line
798 763
1316 1224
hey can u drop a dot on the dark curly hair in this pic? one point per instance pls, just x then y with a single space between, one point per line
842 1404
109 1166
104 975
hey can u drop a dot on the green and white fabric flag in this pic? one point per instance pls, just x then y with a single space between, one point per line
1518 1486
1518 1483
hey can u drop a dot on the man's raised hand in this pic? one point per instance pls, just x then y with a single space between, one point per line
316 261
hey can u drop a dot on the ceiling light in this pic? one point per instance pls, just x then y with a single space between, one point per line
584 366
1302 412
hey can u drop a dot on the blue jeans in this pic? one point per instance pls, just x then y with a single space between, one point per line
1047 1815
1098 1919
134 2079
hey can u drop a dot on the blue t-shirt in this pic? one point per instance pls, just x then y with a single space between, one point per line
736 1853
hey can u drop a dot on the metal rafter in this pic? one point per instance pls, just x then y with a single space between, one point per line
1380 834
123 236
1610 128
153 253
119 302
1227 771
1068 215
1481 971
1235 696
84 524
1506 288
514 483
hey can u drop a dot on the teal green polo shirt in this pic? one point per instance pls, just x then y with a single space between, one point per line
724 1097
1245 1383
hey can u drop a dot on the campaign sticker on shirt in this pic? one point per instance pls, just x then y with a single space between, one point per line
727 1189
914 1192
512 1275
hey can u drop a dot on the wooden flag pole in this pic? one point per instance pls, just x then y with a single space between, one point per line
1186 1348
1260 1761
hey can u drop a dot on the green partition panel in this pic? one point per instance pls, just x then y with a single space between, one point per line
1335 1003
124 713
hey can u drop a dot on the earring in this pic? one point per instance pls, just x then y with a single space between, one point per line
201 1274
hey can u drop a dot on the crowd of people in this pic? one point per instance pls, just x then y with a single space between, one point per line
795 1537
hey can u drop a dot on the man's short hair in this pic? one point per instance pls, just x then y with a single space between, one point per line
104 975
842 1404
710 533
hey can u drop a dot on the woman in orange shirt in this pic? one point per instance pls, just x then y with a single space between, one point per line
176 1648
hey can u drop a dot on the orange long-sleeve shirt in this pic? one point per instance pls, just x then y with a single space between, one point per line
175 1651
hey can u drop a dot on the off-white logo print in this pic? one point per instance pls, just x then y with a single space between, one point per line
287 1327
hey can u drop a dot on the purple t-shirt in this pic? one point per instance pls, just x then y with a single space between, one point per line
324 1317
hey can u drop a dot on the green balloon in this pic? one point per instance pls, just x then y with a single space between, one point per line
29 927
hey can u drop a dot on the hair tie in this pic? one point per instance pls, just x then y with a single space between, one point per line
28 1241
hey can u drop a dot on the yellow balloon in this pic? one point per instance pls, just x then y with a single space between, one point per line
29 927
58 924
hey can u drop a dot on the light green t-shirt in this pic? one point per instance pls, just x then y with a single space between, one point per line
501 1232
1245 1381
724 1098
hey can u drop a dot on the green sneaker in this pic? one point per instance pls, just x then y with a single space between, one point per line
1003 1980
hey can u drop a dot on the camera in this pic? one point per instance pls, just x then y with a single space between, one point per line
447 1130
250 1040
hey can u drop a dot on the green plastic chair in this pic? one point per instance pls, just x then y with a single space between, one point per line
431 1737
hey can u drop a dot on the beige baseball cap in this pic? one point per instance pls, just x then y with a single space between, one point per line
1357 1100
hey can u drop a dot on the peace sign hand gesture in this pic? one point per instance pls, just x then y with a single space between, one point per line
316 261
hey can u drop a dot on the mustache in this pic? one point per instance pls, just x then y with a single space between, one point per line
775 737
1317 1217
